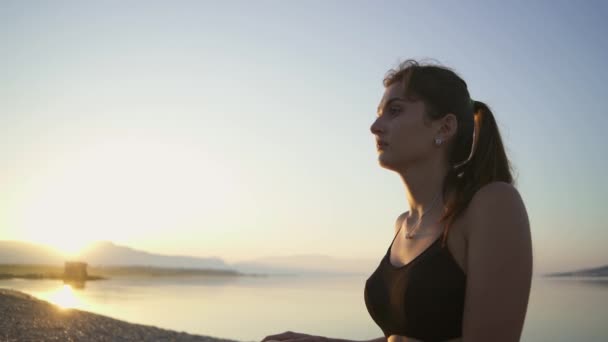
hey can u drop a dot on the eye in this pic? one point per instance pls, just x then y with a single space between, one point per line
394 110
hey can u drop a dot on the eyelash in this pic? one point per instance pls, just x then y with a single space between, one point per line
392 110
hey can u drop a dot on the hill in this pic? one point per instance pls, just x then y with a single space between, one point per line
114 258
601 271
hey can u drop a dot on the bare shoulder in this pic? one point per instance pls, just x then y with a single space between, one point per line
493 203
496 192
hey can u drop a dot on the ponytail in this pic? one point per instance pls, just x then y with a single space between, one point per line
486 163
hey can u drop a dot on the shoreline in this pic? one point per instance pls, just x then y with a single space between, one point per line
36 276
27 318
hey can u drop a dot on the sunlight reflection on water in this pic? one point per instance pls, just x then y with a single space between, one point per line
65 297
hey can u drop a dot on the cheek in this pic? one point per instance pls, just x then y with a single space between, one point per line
411 133
413 141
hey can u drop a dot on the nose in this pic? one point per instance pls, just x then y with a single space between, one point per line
375 128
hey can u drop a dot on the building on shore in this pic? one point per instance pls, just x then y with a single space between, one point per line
75 271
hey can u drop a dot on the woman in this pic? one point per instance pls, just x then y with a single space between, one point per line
460 265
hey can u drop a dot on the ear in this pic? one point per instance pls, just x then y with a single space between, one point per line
446 127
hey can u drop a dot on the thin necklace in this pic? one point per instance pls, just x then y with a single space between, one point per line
409 235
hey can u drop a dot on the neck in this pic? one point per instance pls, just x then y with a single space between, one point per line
423 184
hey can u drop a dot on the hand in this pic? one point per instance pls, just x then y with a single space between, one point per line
290 336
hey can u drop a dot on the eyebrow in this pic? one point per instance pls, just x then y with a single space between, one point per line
392 99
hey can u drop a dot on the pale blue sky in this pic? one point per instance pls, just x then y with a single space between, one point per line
241 129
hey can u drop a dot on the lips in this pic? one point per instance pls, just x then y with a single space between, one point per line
380 144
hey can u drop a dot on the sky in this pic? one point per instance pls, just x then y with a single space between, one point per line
241 129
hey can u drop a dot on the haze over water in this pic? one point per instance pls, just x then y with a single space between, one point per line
248 309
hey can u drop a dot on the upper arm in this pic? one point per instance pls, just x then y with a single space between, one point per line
499 265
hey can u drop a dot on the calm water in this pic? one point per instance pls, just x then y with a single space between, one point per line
248 309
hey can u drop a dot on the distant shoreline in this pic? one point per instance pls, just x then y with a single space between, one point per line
574 275
38 276
25 317
34 271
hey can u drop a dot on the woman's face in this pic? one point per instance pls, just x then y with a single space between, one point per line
401 129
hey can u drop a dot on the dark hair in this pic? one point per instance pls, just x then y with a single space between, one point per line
442 92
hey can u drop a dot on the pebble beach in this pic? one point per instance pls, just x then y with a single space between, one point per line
26 318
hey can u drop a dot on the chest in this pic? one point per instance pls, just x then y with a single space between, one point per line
405 251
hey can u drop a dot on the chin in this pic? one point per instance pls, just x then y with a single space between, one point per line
385 161
389 163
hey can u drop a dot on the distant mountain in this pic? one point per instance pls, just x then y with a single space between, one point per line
106 253
18 252
102 253
307 264
601 271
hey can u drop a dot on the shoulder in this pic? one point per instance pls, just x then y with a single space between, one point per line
494 205
496 191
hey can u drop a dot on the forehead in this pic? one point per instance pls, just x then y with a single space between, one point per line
394 92
395 89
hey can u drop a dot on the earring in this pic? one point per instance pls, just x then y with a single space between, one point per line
438 141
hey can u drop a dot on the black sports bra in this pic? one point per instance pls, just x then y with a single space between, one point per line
423 299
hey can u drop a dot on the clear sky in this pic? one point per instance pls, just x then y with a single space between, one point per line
241 129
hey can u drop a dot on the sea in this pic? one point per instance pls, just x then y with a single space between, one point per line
250 308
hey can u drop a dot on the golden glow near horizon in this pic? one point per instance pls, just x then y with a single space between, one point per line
64 297
122 190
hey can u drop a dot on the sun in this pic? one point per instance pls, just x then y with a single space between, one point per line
49 223
123 191
69 248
